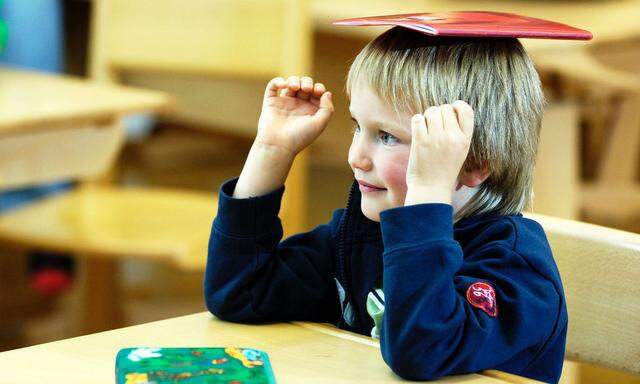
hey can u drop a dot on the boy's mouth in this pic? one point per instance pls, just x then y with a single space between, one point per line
366 187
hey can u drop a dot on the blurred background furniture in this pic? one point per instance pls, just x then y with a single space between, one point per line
600 270
612 198
210 56
59 128
607 135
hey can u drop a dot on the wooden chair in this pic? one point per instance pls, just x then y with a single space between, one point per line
600 270
213 57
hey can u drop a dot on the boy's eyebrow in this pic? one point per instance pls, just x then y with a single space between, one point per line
377 124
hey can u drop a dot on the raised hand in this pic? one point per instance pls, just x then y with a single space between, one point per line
294 113
440 141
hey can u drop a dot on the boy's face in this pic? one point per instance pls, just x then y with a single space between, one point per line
379 152
379 155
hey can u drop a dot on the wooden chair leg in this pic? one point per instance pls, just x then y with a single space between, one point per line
100 308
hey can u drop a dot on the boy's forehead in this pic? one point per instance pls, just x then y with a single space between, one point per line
368 107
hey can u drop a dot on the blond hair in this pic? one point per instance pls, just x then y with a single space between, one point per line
495 77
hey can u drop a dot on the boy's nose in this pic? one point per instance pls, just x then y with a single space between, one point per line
358 157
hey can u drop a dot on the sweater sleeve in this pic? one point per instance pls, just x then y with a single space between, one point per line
431 327
251 276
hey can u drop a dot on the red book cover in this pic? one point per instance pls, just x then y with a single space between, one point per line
474 24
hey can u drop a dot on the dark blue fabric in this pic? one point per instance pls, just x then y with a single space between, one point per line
429 328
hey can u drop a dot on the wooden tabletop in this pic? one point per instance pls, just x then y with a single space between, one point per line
39 101
299 352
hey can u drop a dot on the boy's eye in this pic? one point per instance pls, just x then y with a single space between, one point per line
387 138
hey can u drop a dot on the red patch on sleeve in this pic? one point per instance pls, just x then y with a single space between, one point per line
483 296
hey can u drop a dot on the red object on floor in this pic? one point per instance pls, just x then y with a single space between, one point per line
474 24
51 281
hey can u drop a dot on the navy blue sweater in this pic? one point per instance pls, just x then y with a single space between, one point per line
484 293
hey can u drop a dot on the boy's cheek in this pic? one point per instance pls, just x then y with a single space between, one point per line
395 175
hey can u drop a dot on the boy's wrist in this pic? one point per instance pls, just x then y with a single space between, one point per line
264 171
425 194
272 153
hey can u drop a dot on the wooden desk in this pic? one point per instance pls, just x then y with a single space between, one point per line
54 128
31 99
299 352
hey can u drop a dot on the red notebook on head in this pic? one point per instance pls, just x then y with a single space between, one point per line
474 24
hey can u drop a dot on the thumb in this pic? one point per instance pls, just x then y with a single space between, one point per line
324 112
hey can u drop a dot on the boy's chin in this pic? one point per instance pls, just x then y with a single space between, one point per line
371 213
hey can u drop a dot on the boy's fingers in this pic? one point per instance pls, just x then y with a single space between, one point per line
418 129
318 90
449 118
306 88
274 86
325 110
293 82
434 120
465 117
306 84
293 85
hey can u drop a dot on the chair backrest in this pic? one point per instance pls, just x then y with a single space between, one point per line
600 270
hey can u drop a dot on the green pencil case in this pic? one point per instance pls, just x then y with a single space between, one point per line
193 365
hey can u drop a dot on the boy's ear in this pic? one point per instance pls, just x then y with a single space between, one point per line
473 178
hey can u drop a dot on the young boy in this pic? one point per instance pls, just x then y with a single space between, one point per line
431 253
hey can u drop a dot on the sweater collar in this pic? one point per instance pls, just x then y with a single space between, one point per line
360 226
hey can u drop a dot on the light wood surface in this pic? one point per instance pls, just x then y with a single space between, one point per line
113 222
579 64
84 152
39 101
556 176
250 39
600 270
613 198
299 352
56 128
